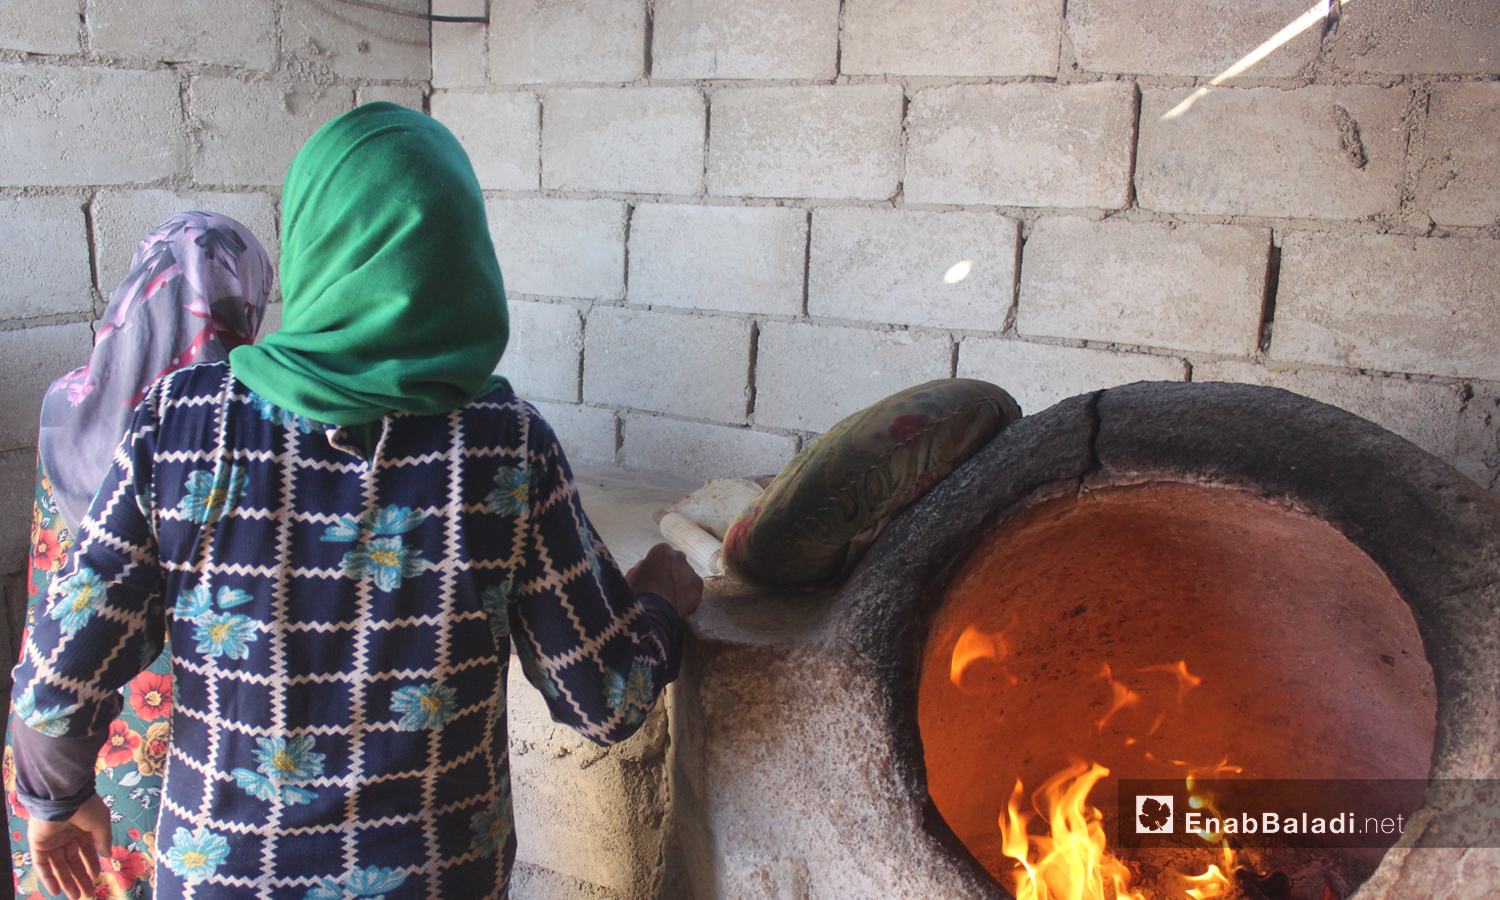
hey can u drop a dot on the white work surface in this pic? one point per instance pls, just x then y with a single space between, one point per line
622 505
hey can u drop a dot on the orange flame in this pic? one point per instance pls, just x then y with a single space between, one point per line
1186 680
974 645
1123 696
1071 863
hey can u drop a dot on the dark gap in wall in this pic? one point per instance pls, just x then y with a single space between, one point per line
1268 308
619 438
1331 21
806 262
88 230
708 114
838 50
1135 140
905 148
650 31
1008 326
625 249
583 348
754 359
541 121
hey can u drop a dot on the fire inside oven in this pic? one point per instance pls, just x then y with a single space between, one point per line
1163 630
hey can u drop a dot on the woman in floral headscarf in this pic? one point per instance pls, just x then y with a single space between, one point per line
197 288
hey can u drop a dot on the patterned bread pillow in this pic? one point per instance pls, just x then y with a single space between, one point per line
817 518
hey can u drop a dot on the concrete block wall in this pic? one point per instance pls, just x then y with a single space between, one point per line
750 218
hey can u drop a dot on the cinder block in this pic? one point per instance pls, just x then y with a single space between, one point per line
644 140
1021 145
1425 37
123 218
683 365
1039 375
1188 37
1458 155
566 41
1478 454
459 57
841 142
502 133
1314 152
560 248
34 358
728 39
249 132
17 497
545 350
808 377
67 125
407 95
693 450
944 269
44 266
1391 303
587 433
950 37
40 26
729 258
1184 287
241 34
355 42
1424 412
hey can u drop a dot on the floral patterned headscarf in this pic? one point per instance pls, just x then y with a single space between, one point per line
197 289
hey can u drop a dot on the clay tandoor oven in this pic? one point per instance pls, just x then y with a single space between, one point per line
1165 579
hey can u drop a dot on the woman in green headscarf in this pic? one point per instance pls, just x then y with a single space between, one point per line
342 531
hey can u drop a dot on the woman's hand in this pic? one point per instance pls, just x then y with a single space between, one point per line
66 855
666 571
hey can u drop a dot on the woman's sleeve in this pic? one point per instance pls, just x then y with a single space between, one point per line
99 625
599 653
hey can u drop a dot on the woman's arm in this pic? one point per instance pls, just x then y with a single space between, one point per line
599 653
94 630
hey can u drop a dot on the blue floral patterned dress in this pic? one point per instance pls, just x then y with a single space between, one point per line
339 634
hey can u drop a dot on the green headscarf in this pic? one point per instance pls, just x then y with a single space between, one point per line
392 298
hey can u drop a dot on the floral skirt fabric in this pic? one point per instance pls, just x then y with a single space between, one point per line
130 764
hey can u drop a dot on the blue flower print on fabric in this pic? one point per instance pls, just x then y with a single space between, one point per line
82 595
378 521
283 763
286 760
210 493
198 602
224 634
371 883
511 494
491 826
196 855
423 706
285 417
52 721
591 552
385 560
381 555
496 601
534 672
631 694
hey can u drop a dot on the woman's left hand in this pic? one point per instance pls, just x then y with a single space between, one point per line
65 855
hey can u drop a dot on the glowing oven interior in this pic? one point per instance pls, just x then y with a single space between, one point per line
1160 631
